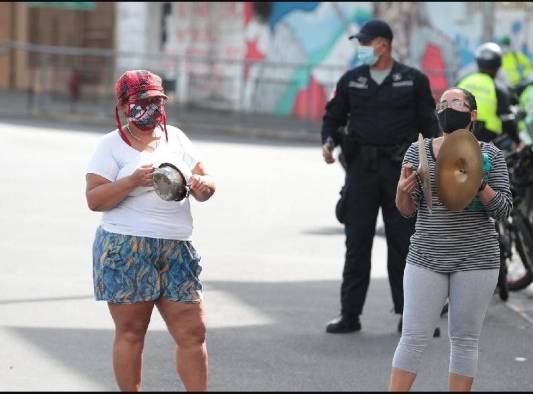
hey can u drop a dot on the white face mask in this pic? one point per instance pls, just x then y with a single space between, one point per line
366 55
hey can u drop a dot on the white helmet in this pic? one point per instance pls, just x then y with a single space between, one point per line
489 56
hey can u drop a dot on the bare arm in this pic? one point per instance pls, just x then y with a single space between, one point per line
103 195
406 185
202 184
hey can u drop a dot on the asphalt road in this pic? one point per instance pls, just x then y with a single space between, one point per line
272 261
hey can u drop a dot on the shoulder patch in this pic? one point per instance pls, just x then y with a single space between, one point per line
402 83
357 85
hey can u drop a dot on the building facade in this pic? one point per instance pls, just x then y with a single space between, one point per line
280 58
37 38
285 57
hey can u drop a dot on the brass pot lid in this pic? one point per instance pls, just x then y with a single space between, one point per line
459 169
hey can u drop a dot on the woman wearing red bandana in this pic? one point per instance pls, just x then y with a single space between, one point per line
142 251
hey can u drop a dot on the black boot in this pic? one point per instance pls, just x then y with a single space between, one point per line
436 333
343 324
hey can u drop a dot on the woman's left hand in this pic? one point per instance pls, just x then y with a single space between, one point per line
200 185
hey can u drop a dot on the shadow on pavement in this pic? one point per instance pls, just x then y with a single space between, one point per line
325 230
292 354
45 299
380 231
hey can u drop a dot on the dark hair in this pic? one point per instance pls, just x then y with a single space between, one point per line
470 99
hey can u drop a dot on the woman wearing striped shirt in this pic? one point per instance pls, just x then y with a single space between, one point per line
452 254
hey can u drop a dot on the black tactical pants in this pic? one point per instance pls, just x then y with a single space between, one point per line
370 184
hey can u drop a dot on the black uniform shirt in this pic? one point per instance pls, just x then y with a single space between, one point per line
387 114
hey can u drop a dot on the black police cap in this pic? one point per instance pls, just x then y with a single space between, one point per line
372 29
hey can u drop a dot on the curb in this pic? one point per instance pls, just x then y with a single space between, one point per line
521 302
191 127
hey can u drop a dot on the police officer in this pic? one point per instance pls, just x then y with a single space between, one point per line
515 65
495 118
525 106
384 105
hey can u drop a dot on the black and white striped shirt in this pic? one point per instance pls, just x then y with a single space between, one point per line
448 241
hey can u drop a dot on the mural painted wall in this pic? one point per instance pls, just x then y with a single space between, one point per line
304 43
285 57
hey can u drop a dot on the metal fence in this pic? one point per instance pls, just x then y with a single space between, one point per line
81 80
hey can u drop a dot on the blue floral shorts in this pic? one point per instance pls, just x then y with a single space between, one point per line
129 269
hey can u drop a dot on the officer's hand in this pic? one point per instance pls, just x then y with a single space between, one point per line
407 182
327 151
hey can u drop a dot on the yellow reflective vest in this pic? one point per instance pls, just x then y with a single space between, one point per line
525 104
484 90
516 66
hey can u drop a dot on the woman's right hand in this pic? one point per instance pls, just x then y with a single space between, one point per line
104 195
406 185
142 176
407 182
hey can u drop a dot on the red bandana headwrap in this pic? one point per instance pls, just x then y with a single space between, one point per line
137 85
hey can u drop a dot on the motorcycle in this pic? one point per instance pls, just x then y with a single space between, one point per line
516 231
524 105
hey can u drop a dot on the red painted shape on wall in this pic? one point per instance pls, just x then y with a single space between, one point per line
310 102
433 66
252 53
248 12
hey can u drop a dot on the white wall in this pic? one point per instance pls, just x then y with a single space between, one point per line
132 23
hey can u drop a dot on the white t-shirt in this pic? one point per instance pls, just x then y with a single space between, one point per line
379 75
143 212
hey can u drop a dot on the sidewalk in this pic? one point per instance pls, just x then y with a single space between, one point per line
522 301
190 119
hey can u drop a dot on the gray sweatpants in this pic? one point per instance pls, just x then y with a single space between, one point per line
425 292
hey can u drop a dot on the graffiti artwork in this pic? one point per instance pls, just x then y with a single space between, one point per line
284 58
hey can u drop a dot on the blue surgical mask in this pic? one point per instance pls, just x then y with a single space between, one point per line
366 55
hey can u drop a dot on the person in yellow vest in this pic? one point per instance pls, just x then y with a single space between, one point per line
515 65
525 108
495 119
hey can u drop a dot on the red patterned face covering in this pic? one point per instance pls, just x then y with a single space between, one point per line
143 92
146 118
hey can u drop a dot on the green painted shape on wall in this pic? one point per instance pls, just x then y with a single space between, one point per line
300 79
70 5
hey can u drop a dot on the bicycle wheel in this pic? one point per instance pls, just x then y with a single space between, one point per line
503 286
503 229
524 247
